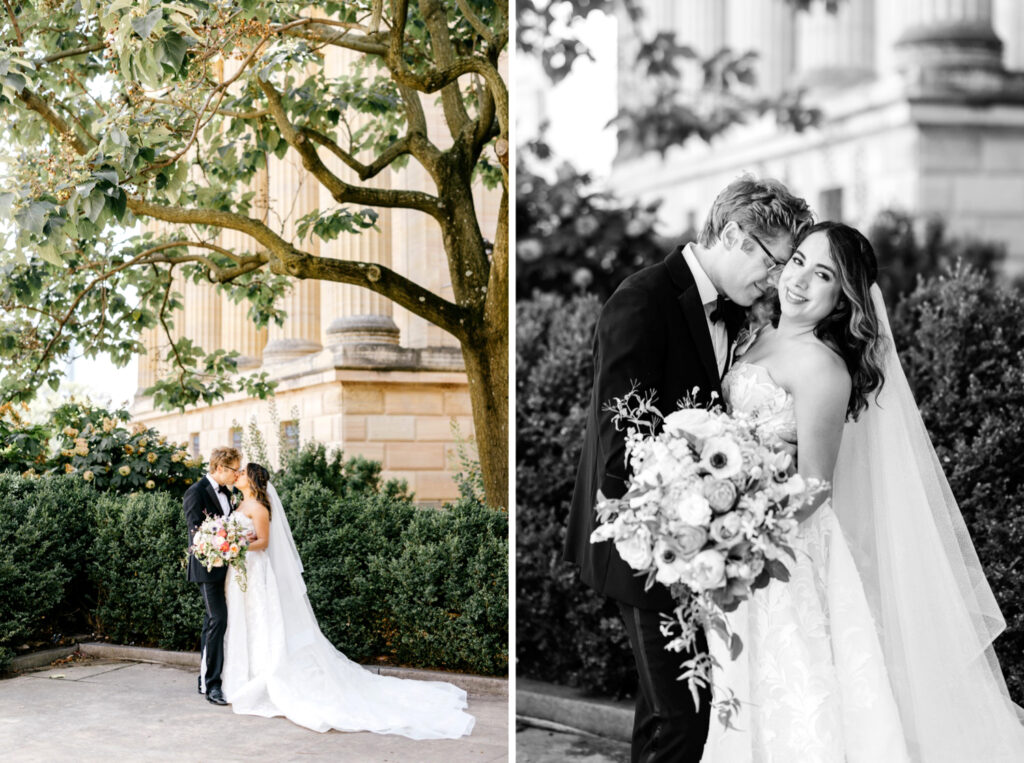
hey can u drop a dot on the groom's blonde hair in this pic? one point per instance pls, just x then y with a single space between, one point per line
224 457
761 206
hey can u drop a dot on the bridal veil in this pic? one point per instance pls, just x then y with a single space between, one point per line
936 614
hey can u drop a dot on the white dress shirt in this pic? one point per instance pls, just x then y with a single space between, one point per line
709 298
225 504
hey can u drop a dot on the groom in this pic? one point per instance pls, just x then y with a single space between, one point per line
669 328
211 497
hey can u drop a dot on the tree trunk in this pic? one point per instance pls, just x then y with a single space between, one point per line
487 369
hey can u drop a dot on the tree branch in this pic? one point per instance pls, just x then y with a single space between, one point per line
320 30
14 23
365 171
94 48
42 108
285 259
341 191
476 23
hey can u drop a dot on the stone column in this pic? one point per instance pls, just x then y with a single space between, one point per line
149 362
701 25
351 314
768 27
294 193
201 317
836 49
948 34
238 332
1008 18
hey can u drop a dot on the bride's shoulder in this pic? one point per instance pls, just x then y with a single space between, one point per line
813 363
253 508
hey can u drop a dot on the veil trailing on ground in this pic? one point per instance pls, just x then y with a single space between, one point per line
284 665
935 612
300 622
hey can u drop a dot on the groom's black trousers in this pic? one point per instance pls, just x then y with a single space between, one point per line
215 623
667 728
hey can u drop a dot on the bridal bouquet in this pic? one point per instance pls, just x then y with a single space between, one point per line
220 541
709 512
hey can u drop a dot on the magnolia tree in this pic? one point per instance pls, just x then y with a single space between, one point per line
141 115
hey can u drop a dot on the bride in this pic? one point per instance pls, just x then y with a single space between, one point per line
879 646
277 662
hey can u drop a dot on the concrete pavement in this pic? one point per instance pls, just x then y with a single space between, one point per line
96 709
557 745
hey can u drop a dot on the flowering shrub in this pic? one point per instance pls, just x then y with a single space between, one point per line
98 447
571 238
22 445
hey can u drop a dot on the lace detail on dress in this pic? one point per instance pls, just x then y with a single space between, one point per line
811 675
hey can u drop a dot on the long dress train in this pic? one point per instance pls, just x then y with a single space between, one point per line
277 662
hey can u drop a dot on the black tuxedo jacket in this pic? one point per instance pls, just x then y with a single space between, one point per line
652 331
201 502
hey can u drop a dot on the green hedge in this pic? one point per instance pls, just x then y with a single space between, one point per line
45 534
961 343
386 579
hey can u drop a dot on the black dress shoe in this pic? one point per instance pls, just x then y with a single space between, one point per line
199 685
216 696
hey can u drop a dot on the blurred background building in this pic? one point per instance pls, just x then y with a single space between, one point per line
922 110
354 371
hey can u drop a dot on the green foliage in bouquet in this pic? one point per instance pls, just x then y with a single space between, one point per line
960 342
97 446
45 548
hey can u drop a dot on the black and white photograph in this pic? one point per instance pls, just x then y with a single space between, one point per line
768 360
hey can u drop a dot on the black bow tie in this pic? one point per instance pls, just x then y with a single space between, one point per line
226 491
729 313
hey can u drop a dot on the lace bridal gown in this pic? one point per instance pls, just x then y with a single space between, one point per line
277 662
811 676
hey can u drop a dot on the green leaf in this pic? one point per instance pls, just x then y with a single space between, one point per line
107 174
33 217
144 27
15 81
94 204
171 50
6 200
48 252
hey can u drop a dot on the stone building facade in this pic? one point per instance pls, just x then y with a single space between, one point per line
354 371
923 104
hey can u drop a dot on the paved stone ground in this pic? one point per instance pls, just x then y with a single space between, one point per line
542 745
112 710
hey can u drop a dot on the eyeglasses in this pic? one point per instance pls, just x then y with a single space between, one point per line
773 264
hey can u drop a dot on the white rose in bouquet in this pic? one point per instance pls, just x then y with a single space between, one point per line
635 549
697 422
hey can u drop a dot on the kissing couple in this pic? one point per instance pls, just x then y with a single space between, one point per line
262 651
879 647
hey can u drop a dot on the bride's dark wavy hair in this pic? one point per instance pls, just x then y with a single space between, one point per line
853 329
259 478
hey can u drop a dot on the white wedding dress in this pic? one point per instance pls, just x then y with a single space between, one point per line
277 662
811 676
